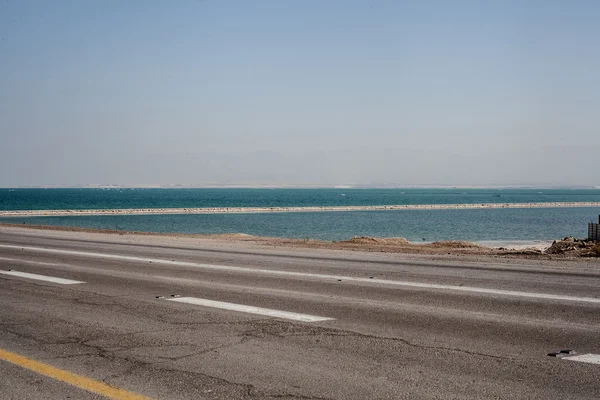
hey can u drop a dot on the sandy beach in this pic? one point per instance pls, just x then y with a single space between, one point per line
242 210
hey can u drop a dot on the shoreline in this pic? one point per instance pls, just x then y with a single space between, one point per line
257 210
391 245
488 244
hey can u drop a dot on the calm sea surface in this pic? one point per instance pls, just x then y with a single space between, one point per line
59 199
415 225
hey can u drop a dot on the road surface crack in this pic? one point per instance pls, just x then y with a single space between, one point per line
282 329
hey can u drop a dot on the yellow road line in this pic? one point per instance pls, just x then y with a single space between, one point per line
68 377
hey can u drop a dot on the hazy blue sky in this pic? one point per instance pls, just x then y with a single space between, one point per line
300 92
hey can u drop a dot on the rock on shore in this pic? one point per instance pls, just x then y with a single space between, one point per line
575 247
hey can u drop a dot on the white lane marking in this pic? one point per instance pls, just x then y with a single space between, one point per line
40 277
586 358
21 261
250 309
421 285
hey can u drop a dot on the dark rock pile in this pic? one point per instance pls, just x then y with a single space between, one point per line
575 247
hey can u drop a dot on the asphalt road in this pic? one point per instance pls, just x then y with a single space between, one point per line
380 326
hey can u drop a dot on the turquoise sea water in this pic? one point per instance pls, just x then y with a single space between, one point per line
415 225
58 199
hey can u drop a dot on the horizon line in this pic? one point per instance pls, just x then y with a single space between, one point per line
300 186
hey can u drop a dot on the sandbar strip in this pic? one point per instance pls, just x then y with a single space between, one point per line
249 210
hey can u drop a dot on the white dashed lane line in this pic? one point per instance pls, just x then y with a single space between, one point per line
250 309
60 281
585 358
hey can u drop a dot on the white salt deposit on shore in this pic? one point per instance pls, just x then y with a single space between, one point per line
242 210
516 244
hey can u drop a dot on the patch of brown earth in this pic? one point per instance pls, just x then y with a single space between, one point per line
374 240
455 244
